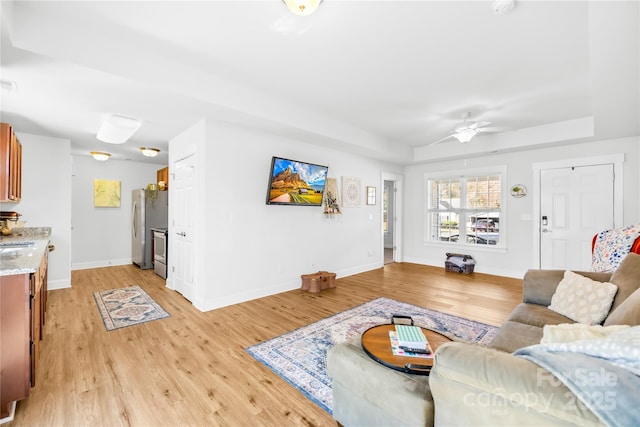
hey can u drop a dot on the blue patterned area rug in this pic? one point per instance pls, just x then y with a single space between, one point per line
126 307
300 356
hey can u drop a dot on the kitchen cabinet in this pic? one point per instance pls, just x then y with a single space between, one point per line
11 165
163 175
22 306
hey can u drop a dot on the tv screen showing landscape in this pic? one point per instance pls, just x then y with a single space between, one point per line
296 183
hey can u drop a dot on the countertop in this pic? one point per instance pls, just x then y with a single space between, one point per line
22 251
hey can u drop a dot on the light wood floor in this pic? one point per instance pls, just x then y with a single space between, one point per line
191 369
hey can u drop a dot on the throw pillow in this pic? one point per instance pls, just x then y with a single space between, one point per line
612 245
583 300
627 313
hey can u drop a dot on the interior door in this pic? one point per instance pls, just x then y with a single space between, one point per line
575 204
394 216
182 239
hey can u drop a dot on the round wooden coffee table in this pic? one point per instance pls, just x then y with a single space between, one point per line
376 343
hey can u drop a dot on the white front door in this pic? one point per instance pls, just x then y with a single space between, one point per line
182 247
575 204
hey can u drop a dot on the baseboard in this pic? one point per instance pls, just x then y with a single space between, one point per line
360 269
12 412
239 297
99 264
58 284
212 304
477 269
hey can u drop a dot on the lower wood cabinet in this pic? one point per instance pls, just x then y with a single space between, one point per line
22 306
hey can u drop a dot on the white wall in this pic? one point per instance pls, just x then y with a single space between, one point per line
252 249
46 198
102 236
517 258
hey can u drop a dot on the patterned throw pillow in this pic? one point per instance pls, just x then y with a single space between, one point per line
611 246
583 300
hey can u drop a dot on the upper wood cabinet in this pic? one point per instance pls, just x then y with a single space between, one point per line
11 165
163 175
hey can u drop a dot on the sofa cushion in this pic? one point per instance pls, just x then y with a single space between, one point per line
406 398
476 386
626 278
583 299
537 315
627 313
524 327
513 335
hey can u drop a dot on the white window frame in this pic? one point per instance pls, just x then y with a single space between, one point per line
463 173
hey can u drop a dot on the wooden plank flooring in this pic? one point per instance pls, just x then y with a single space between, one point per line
191 369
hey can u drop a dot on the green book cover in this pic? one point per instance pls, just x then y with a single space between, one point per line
411 336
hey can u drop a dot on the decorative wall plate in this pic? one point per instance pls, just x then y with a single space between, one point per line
350 192
518 190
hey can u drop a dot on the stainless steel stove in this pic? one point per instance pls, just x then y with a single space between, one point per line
160 251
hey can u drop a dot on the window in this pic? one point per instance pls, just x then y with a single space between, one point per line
465 209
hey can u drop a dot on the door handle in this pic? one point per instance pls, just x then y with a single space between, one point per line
183 234
544 230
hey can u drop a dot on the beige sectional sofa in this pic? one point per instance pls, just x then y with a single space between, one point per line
476 385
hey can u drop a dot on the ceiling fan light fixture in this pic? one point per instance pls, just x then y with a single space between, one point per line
118 129
302 7
502 7
149 152
465 135
100 156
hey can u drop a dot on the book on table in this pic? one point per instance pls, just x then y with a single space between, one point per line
411 337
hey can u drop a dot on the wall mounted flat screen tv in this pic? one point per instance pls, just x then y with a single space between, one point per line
296 183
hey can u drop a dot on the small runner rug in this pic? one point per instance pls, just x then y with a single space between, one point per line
299 356
124 307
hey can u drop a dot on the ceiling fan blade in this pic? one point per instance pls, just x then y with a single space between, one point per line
440 140
477 125
492 129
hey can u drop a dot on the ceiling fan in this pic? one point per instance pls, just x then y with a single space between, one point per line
465 131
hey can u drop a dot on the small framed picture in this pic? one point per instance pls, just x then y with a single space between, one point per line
371 195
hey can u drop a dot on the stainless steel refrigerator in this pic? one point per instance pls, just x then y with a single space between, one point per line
149 210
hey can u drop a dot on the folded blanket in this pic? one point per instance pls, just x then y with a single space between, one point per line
602 373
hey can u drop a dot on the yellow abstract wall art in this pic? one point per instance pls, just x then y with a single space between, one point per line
106 193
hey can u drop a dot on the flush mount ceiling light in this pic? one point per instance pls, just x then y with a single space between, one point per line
118 129
302 7
149 152
99 155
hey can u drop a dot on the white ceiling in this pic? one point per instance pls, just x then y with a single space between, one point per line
379 78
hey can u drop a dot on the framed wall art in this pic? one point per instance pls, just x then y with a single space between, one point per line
106 193
371 195
351 188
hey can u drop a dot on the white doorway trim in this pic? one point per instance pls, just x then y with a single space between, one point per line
396 221
616 159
